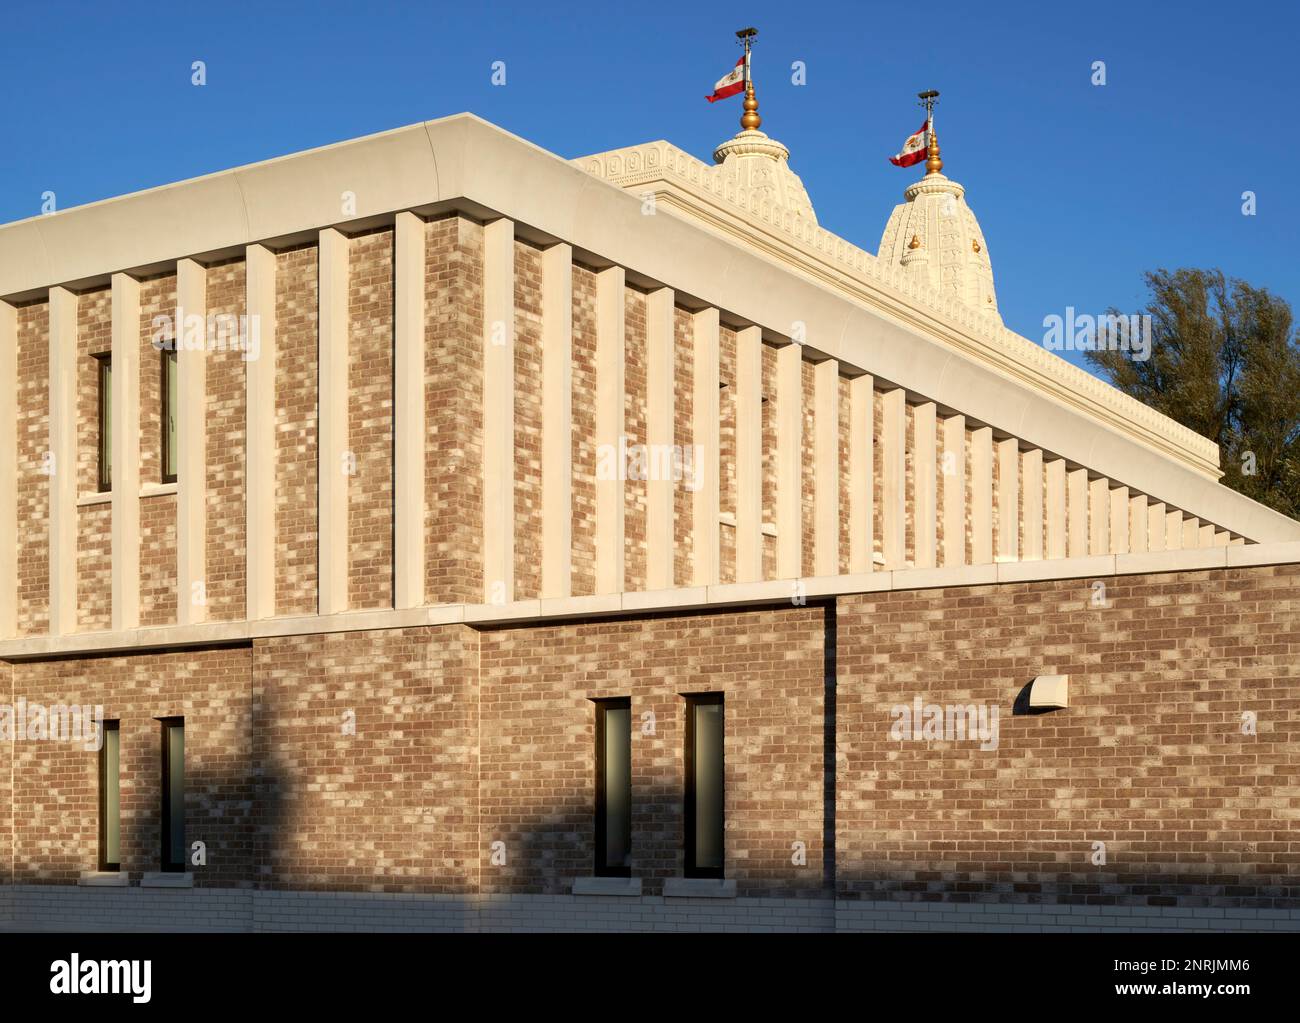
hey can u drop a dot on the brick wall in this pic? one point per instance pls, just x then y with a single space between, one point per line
370 420
537 760
1149 758
584 431
528 421
296 311
226 545
33 483
365 761
157 513
94 522
56 787
453 410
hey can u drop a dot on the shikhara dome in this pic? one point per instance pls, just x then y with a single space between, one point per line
933 236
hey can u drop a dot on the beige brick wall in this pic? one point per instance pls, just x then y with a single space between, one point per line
370 420
94 522
634 421
537 762
33 484
1149 758
528 421
389 805
584 431
296 311
56 786
453 409
226 544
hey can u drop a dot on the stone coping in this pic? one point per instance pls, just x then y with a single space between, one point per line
696 598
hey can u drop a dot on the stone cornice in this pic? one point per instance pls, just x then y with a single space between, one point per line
682 182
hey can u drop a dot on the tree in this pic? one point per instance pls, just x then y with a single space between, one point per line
1225 362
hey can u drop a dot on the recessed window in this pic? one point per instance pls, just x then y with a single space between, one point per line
110 812
613 788
173 794
104 371
705 788
168 450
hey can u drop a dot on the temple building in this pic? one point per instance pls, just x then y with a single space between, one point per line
443 534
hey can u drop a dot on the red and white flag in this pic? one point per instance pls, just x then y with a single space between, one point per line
730 83
914 148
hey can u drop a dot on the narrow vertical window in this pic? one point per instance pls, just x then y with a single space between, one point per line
614 788
173 794
704 785
110 814
104 370
168 391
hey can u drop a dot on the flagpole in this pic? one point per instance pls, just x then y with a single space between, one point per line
933 163
749 120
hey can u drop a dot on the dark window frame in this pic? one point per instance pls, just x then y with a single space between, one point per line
103 450
104 863
691 869
603 869
165 454
168 866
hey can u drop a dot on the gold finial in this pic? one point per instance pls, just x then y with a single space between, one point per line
915 243
749 120
933 163
974 244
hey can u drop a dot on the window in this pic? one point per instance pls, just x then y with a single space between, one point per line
110 816
104 369
614 788
704 785
173 794
168 391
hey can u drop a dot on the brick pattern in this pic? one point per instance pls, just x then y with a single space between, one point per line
1150 758
370 419
537 759
808 470
528 421
634 420
158 513
365 754
584 431
453 411
226 552
727 441
32 488
56 783
94 522
296 311
684 438
770 413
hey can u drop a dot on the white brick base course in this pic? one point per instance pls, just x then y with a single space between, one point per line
62 908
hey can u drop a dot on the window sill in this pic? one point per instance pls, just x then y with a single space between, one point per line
729 519
167 880
699 888
106 496
104 879
626 886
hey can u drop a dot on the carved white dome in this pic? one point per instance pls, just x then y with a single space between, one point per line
935 238
759 168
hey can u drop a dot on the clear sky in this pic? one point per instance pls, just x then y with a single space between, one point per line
1079 188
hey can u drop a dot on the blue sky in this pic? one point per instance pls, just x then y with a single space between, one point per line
1078 188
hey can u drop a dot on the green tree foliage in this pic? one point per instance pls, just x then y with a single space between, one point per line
1225 362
